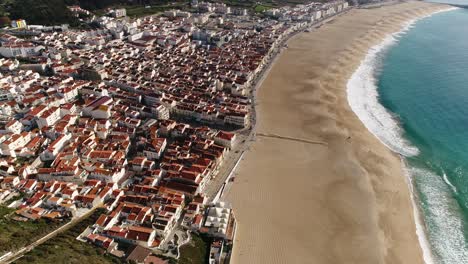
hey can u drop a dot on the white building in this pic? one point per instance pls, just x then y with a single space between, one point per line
14 127
55 147
121 12
160 111
23 49
225 139
48 117
218 218
155 148
99 108
8 144
105 175
240 119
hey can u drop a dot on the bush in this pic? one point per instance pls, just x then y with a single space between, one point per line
64 248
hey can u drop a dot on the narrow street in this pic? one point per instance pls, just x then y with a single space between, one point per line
21 252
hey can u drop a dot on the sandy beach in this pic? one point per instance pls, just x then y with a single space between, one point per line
343 201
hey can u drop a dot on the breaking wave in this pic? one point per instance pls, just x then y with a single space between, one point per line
442 216
363 98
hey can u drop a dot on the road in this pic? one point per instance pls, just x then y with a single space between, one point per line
245 137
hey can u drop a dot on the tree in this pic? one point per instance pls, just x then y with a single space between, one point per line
43 12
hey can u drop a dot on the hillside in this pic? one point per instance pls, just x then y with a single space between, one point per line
45 12
52 12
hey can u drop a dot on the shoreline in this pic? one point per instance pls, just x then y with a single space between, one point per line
239 193
421 230
391 39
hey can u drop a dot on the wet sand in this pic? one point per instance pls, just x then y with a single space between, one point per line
345 201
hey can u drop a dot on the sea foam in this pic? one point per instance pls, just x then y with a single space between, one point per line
420 226
363 98
444 218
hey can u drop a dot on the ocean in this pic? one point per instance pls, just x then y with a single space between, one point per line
411 91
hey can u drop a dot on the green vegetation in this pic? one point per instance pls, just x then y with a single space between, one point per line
100 4
54 12
260 8
197 251
140 11
237 3
64 248
4 211
43 12
16 234
48 12
3 6
20 195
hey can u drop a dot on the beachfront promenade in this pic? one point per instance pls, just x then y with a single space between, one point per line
246 136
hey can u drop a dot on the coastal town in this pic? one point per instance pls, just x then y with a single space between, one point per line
141 120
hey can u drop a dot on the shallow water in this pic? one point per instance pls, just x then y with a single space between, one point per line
412 92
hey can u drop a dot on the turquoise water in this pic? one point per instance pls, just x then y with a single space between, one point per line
423 81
